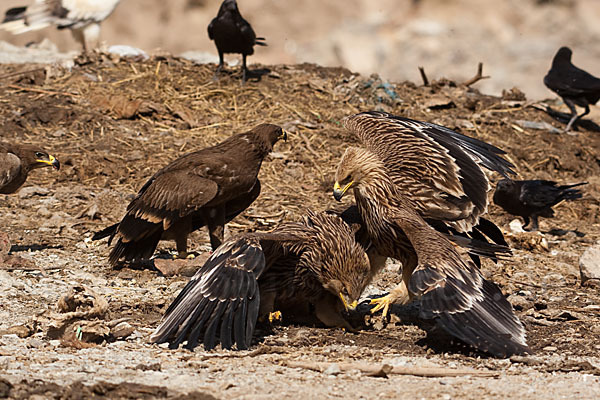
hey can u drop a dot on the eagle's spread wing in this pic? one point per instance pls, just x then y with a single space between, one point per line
464 303
221 300
10 168
437 168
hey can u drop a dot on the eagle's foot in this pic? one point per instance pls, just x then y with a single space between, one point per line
275 316
184 256
381 303
398 295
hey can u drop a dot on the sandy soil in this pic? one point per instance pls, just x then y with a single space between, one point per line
515 39
112 123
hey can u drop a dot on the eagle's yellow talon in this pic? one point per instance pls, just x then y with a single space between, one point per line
381 302
191 256
275 316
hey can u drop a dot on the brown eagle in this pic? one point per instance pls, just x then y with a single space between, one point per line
413 170
82 17
314 261
16 160
207 187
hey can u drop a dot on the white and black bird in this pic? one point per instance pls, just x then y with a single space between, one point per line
82 17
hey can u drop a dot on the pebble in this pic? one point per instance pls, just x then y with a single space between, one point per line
333 369
589 263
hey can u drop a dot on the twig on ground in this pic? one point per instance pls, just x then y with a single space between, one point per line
25 89
376 370
478 76
22 72
424 76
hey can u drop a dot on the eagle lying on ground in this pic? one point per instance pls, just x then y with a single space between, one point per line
314 261
233 34
82 17
411 171
17 160
207 187
533 198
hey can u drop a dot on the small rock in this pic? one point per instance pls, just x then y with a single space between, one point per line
516 226
537 125
31 191
549 348
333 369
21 331
519 303
127 51
122 330
35 343
589 264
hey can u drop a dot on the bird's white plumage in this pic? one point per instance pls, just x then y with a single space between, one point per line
81 16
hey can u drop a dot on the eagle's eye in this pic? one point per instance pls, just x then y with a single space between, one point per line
39 155
346 180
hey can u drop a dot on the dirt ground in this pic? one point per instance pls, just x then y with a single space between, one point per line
112 123
515 39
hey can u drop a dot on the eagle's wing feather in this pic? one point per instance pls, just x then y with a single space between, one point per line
465 304
10 168
437 168
222 294
172 195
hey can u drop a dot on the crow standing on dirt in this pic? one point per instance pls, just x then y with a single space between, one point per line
233 34
17 160
533 198
574 85
82 17
207 187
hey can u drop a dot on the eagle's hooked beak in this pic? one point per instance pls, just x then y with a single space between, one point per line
348 306
53 161
338 191
284 135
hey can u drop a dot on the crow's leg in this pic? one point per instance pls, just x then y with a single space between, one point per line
534 224
220 67
245 69
574 115
586 112
525 223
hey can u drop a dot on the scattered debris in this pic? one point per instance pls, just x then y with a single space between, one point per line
376 370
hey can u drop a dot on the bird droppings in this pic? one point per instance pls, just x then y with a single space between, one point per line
97 168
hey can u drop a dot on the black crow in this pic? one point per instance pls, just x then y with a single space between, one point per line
533 198
233 34
574 85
